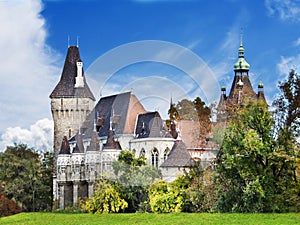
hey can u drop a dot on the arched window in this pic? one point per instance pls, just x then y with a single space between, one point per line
143 153
155 158
166 153
70 133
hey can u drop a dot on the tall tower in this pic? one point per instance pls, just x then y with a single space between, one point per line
71 99
241 89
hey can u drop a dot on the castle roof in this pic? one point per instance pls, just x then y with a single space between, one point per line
122 109
178 156
65 147
150 125
66 86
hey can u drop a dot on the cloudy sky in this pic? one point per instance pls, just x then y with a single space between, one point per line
156 48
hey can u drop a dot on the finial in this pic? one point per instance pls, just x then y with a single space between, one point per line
241 37
68 41
77 42
95 128
111 118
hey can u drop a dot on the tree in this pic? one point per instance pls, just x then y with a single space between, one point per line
201 189
7 206
23 178
105 199
250 164
287 105
134 178
165 198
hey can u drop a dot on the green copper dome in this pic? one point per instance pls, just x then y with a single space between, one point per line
260 85
223 88
241 64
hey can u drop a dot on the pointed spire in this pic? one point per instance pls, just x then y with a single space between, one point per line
241 64
94 144
79 148
65 147
66 85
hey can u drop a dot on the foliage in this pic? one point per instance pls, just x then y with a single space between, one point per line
105 199
134 178
7 206
288 105
253 170
25 178
201 189
166 198
195 110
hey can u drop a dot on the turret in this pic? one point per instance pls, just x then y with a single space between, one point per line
71 99
260 93
241 88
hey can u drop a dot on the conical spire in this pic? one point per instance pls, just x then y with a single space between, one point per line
79 148
66 87
65 147
94 144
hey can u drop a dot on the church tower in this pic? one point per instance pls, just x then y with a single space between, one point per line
241 89
71 99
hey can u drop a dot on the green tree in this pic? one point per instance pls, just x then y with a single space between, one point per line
165 198
23 178
254 169
134 178
287 105
200 192
105 199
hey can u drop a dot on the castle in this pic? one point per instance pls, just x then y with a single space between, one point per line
88 137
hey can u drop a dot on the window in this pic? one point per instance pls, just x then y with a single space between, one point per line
143 153
63 169
77 169
166 153
155 158
70 133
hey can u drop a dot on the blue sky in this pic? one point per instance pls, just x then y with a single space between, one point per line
34 41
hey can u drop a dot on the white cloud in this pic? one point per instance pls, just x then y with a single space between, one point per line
28 70
38 136
287 63
297 42
285 9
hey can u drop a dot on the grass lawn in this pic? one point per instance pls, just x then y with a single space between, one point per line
149 218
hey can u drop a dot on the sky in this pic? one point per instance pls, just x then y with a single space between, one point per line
159 49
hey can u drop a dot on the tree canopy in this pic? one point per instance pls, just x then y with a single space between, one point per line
26 178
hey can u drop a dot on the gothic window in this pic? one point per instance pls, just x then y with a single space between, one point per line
155 158
77 169
63 169
70 133
143 153
166 153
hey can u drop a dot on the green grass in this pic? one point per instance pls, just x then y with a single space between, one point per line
149 218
